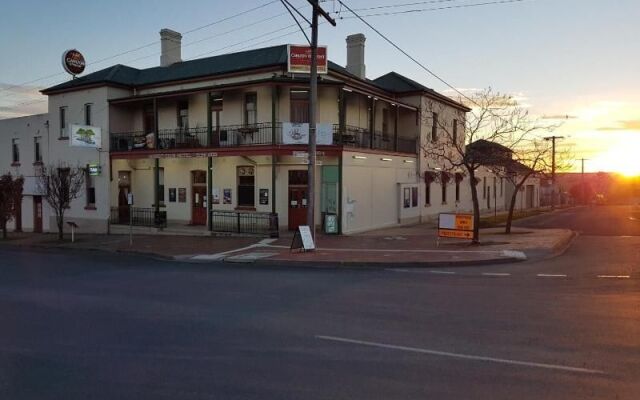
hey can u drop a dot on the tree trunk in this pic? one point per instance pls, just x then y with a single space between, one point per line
60 222
476 208
512 206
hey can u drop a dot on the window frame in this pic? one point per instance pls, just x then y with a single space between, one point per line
88 113
427 194
247 111
182 121
434 127
37 150
62 115
15 151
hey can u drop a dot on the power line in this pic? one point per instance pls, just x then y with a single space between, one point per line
146 45
286 5
420 10
403 5
408 55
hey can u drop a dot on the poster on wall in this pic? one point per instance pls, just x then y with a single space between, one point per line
182 195
172 195
298 133
295 133
85 136
406 196
324 134
226 196
215 195
264 197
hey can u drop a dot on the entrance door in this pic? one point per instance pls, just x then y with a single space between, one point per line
198 205
529 193
37 214
297 207
124 187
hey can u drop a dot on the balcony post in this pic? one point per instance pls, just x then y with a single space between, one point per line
341 114
372 122
395 129
274 103
156 169
209 166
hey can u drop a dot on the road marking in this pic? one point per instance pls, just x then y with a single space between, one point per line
614 276
552 275
496 274
442 272
462 356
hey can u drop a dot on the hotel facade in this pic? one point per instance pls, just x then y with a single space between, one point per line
219 144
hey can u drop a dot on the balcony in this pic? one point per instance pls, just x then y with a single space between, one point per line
229 136
356 137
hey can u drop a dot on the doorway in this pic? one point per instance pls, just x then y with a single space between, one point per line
37 214
198 198
297 198
529 194
124 188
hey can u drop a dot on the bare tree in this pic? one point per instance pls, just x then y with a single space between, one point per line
10 199
494 118
60 185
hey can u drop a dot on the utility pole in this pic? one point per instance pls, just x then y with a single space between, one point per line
553 167
313 103
582 188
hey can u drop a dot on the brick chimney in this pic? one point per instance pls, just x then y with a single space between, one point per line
355 55
171 47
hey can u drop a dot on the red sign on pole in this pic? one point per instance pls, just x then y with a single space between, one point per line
299 57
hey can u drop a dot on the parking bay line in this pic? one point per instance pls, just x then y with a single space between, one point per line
461 356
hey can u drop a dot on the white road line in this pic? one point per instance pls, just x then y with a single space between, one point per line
614 276
442 272
552 275
462 356
496 274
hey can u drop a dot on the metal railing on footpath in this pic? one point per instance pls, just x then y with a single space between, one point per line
137 216
245 222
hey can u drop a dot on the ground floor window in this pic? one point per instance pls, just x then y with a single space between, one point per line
427 194
246 186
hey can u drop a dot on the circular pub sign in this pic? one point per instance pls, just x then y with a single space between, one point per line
73 62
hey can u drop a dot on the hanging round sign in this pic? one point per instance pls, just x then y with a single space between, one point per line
73 62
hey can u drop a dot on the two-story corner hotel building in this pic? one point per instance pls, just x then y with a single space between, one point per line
219 142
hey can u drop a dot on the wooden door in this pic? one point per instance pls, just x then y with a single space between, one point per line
198 205
37 214
297 207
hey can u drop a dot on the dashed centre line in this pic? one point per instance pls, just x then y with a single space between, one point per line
496 274
552 275
614 276
442 272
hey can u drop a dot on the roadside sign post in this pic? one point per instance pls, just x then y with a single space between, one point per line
455 226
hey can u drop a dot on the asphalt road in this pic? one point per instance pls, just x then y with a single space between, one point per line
89 325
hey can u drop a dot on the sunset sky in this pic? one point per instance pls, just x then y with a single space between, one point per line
573 58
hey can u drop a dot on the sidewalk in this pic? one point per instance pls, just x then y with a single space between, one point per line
413 246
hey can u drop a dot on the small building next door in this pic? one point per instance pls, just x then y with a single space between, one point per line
198 198
297 198
37 214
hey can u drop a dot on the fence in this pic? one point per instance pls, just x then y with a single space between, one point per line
125 215
255 223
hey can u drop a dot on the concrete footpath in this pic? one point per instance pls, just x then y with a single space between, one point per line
413 246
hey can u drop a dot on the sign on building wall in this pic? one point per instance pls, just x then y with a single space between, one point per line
85 136
73 62
298 133
455 226
299 59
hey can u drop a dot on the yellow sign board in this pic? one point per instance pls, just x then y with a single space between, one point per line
455 226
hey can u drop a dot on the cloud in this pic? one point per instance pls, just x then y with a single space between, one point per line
21 100
628 125
559 116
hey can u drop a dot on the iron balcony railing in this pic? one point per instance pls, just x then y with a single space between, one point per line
194 138
245 222
137 216
252 135
352 136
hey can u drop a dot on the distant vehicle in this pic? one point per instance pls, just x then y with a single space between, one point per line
600 199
